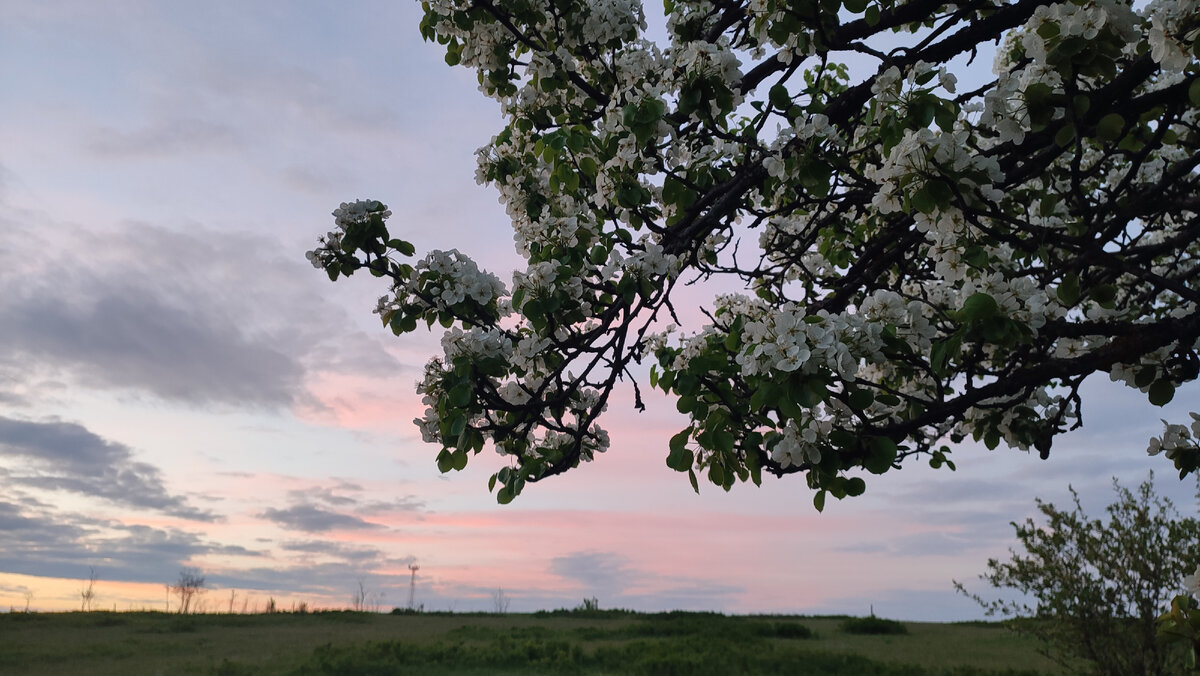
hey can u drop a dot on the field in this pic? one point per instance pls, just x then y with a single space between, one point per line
560 642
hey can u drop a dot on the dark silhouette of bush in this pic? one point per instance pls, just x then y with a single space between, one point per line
791 630
872 625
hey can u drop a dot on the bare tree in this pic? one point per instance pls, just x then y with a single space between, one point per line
189 586
360 597
28 599
87 595
500 600
232 596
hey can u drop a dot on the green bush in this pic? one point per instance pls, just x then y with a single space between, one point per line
873 625
1092 589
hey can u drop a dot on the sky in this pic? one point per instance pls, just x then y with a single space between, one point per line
180 389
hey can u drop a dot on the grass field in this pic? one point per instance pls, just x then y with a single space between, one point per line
562 642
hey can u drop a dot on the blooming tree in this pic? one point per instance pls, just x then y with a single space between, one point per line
914 264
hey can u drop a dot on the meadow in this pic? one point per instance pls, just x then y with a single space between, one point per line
558 642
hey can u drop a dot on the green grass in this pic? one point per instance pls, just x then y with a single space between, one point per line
596 642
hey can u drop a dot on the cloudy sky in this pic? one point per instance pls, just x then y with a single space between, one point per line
180 389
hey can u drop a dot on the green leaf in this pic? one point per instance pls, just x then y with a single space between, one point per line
1065 136
687 385
764 395
861 398
842 438
588 166
1104 295
922 111
695 484
923 200
872 17
855 6
1068 291
888 399
755 467
405 248
723 441
946 115
780 97
1110 126
457 424
855 486
819 498
680 458
460 394
882 453
716 474
977 257
1161 392
943 352
1194 92
1048 29
1145 376
976 307
1080 103
1048 204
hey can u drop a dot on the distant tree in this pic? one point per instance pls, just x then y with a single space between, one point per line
87 595
500 601
189 586
1097 587
910 264
360 597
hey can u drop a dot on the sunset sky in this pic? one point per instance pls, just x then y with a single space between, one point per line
179 388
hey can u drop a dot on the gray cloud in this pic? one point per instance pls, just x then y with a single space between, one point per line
314 519
68 457
338 550
335 497
605 573
50 543
197 316
131 341
328 496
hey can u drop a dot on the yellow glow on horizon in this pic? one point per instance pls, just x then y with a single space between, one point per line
56 594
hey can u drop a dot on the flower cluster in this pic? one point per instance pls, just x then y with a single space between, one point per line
1176 439
445 279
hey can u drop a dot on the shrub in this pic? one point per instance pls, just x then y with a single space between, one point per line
873 625
1098 586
